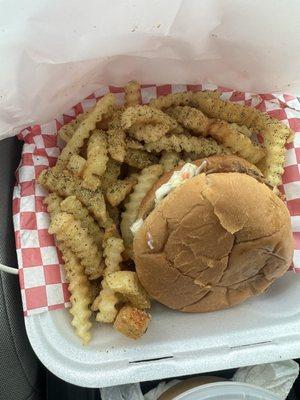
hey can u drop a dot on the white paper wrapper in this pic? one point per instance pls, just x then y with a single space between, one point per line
55 53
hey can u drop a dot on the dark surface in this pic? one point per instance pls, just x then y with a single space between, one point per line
22 376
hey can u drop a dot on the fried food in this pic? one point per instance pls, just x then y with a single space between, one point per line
149 132
127 283
106 304
72 205
107 300
190 118
116 144
133 144
88 124
169 160
53 202
67 185
76 165
204 147
146 179
96 159
146 115
118 191
132 94
172 99
80 289
70 231
112 172
67 130
139 158
240 144
132 322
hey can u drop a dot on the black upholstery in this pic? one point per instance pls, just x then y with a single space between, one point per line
21 376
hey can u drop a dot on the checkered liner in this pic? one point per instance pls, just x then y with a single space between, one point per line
42 281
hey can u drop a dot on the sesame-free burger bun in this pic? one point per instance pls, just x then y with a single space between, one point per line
216 240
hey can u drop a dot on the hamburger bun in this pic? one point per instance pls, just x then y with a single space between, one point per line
216 240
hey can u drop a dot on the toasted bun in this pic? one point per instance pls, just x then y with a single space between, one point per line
218 239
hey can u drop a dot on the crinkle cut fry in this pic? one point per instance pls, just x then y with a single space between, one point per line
67 185
139 158
102 107
172 99
107 300
80 289
146 180
146 115
178 143
149 132
191 118
78 283
96 159
132 94
72 205
119 190
67 130
69 231
117 144
240 144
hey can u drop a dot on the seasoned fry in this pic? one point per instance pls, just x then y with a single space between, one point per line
242 129
132 322
226 134
83 130
148 133
113 169
76 164
213 107
146 180
252 118
127 283
113 249
133 144
67 185
70 231
53 202
107 300
117 144
190 118
67 130
96 159
132 94
272 165
72 205
146 115
178 143
139 158
169 160
117 192
173 99
80 289
106 304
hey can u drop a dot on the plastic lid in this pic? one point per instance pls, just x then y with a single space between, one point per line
227 391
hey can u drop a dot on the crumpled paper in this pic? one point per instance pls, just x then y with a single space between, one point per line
55 53
277 377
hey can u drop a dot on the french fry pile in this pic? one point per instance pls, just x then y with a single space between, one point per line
112 157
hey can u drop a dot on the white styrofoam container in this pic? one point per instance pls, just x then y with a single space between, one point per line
263 329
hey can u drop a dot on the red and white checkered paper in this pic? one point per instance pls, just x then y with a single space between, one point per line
42 281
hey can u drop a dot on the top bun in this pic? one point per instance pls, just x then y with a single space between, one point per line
216 240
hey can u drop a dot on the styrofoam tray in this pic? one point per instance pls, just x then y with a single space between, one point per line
264 329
